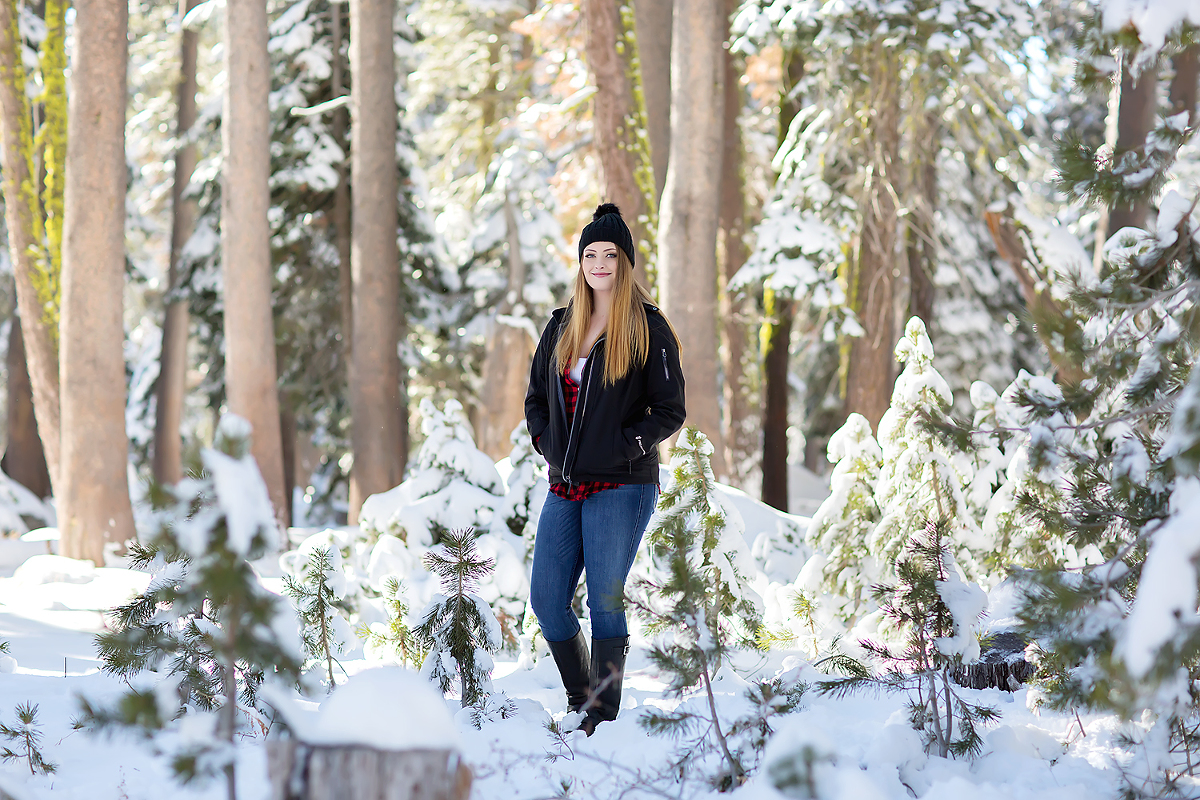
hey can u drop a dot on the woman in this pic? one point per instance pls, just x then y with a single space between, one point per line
604 389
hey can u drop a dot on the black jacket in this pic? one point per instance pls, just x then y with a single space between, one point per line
616 429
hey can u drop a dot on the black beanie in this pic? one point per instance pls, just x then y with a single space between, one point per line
607 226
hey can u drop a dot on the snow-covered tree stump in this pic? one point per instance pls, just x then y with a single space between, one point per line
300 771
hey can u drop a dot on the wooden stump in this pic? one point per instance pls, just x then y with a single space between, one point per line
1001 666
300 771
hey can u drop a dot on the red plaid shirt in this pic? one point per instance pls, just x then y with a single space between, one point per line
578 491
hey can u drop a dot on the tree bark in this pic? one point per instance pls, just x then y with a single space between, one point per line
341 194
24 460
920 232
1184 83
777 331
37 283
740 441
1138 108
653 25
870 370
780 312
687 236
172 375
93 499
506 361
615 116
250 367
375 398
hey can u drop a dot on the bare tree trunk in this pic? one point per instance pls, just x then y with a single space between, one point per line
250 367
615 122
93 498
24 460
920 233
777 332
870 371
739 440
37 282
287 436
687 235
172 376
375 393
341 194
1184 82
506 362
1139 106
1131 117
780 314
653 24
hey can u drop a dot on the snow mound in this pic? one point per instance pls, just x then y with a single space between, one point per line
38 570
387 708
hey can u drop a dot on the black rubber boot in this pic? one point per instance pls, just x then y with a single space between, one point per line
571 657
608 659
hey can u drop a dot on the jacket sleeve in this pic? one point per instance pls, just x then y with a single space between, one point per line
665 410
537 399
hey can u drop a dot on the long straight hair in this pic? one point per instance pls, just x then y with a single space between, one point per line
627 331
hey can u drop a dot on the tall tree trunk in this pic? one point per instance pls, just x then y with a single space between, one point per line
24 460
172 375
341 194
653 24
739 440
1184 82
37 279
287 436
1139 107
250 367
687 236
506 362
921 244
780 315
870 369
776 335
93 499
375 398
1134 111
616 119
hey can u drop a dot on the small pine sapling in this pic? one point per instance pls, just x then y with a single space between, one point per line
235 628
697 601
458 628
395 640
935 610
843 522
27 738
316 588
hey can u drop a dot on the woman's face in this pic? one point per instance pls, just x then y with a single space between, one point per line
600 265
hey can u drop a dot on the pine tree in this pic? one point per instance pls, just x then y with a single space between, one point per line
841 526
205 625
697 600
453 485
924 470
318 586
935 610
458 628
394 640
27 738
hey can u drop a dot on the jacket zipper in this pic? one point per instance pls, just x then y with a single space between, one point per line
666 374
580 408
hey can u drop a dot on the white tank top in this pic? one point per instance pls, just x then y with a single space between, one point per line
577 370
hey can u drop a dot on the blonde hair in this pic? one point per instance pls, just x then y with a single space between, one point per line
627 331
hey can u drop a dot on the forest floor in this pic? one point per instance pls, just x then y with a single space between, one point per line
49 617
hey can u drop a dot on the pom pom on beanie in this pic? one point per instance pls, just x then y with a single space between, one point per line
607 226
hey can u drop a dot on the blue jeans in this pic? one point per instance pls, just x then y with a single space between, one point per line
601 534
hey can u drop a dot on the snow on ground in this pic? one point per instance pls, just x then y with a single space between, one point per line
51 607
